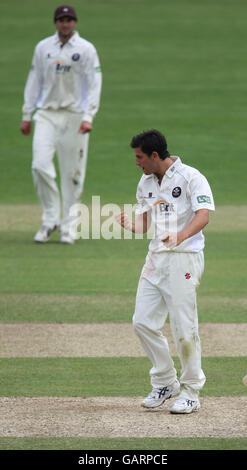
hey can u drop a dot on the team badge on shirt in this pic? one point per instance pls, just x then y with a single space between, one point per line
176 191
75 57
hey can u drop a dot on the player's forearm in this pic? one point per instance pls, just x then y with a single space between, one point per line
29 104
200 220
93 98
33 87
31 94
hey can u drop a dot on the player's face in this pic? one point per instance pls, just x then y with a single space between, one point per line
65 26
144 161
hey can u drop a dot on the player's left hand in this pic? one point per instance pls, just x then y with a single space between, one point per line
85 127
171 240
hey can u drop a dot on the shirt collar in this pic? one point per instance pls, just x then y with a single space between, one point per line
70 41
174 167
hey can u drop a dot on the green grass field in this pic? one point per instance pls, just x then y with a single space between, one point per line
178 66
123 376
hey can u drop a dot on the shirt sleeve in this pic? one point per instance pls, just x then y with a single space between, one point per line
141 206
33 87
93 81
200 193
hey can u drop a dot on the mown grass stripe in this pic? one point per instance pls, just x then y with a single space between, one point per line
108 340
98 307
25 217
121 376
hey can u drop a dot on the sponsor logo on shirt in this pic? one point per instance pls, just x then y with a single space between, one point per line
61 66
161 201
203 198
164 206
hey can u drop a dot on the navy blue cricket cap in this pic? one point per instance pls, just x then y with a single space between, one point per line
64 10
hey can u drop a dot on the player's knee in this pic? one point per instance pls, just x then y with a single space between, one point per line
138 326
134 323
36 169
39 172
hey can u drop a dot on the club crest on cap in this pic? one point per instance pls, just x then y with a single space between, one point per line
65 10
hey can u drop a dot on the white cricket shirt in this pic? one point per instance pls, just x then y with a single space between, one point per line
64 77
173 203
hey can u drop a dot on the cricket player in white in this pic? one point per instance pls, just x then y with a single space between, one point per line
64 87
177 199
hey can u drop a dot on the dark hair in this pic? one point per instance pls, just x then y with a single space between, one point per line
151 141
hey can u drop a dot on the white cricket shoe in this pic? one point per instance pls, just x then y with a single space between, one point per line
159 395
184 405
65 237
44 233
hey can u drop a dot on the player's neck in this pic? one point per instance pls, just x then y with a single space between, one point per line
164 165
65 37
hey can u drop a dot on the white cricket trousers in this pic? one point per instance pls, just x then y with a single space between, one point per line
168 285
57 132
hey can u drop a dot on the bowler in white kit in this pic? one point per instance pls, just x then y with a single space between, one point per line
177 199
64 88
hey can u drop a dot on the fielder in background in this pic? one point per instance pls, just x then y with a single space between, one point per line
64 87
176 198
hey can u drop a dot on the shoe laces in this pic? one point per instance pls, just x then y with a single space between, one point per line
182 400
158 391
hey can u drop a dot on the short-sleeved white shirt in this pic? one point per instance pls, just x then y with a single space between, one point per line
64 76
173 203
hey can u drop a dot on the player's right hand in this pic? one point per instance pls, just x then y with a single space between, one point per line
25 127
123 220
